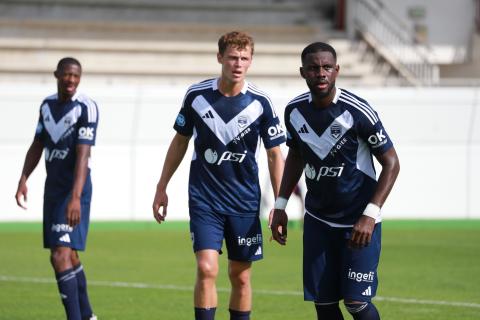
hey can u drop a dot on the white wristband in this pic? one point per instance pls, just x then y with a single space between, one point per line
280 203
372 211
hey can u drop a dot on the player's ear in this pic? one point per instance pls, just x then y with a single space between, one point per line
219 57
56 74
302 72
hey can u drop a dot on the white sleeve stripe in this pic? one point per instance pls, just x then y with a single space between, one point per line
360 104
197 87
95 115
91 107
299 98
255 90
360 109
92 111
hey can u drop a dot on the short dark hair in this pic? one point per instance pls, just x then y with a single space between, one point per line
318 47
236 39
66 61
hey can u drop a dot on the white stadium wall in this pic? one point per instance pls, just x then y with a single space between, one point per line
436 132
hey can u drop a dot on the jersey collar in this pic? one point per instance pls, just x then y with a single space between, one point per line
338 91
215 85
74 97
335 98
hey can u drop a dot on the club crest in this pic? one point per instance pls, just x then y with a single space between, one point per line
242 122
336 131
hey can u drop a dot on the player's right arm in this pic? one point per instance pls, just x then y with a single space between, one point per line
176 151
32 158
291 174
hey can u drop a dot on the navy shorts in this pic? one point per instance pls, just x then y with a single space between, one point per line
331 270
56 231
243 235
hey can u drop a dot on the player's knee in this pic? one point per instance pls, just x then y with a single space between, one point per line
74 258
207 270
355 307
240 279
60 259
239 273
362 310
328 311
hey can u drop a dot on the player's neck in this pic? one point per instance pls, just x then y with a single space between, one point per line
230 88
63 97
323 101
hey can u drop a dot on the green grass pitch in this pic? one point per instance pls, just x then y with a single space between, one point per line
142 270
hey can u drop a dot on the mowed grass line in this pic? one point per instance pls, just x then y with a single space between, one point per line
421 260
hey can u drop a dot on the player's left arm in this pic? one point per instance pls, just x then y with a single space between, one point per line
390 169
363 229
87 134
79 176
275 168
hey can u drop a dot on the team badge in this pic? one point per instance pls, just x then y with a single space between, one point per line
242 122
336 131
180 120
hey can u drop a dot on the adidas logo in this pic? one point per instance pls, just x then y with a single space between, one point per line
65 238
208 115
303 129
367 292
259 251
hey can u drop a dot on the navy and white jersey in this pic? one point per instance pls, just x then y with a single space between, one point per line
227 134
336 144
61 127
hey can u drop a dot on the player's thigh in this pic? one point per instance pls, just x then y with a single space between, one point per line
206 230
57 232
243 238
359 275
321 261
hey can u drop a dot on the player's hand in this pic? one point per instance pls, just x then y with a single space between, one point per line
22 191
160 201
362 232
278 221
73 212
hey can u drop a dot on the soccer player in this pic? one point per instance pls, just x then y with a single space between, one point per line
228 117
66 130
332 135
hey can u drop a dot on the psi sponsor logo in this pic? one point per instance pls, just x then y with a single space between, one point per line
314 174
55 154
211 156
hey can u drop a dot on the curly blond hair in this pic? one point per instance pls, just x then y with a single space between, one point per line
235 39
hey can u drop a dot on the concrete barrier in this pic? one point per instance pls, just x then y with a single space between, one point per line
435 131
